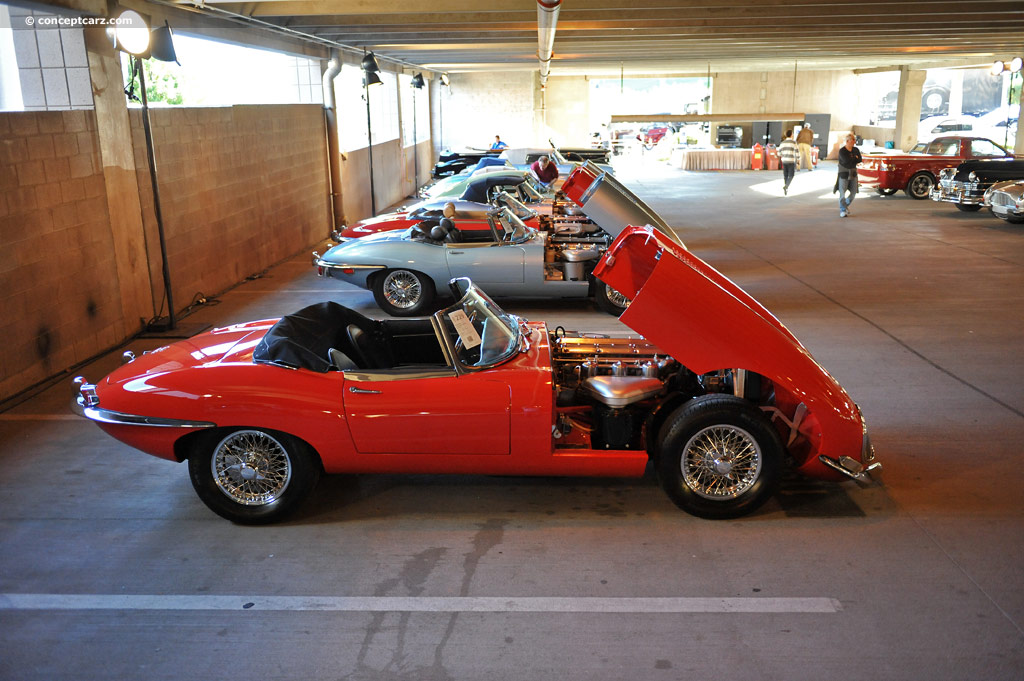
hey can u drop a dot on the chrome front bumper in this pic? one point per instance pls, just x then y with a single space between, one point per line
85 403
958 192
850 467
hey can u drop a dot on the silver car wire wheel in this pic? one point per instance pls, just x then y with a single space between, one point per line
402 289
251 468
721 462
617 299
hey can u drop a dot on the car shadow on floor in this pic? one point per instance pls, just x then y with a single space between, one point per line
341 498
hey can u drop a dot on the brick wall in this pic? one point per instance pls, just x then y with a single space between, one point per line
240 188
58 284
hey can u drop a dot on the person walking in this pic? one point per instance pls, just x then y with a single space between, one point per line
788 155
849 157
804 140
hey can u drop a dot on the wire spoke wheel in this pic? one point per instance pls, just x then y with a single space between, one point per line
251 468
719 456
402 289
617 299
721 462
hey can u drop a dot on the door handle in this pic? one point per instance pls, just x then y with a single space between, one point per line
360 391
455 252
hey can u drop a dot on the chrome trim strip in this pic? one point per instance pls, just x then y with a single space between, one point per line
396 374
121 419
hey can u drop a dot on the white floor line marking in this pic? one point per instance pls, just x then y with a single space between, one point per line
555 604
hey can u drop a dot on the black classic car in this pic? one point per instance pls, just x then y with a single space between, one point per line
965 185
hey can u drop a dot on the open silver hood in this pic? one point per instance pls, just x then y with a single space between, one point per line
610 203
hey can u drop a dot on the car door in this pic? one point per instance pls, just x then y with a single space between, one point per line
436 413
497 267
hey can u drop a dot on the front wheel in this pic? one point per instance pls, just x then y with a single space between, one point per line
1012 219
253 476
610 300
886 192
719 457
968 207
403 293
920 185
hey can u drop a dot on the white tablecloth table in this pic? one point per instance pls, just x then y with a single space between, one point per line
711 159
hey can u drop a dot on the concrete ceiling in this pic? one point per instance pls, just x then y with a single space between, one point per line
648 37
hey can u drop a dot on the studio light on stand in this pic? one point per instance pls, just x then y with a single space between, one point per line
417 84
370 77
132 35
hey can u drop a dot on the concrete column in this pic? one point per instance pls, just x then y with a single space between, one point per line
908 108
122 188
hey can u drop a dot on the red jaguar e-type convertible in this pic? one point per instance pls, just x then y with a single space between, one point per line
718 393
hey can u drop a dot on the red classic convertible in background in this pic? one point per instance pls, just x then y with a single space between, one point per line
718 393
917 172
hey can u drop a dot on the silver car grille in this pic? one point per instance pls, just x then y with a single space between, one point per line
1001 199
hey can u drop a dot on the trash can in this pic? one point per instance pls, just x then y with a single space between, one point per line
757 157
771 153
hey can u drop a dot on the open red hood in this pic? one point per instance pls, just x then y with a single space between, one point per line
708 323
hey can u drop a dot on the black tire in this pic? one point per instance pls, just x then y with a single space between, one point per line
719 425
920 185
403 293
252 476
886 192
968 207
610 300
1012 219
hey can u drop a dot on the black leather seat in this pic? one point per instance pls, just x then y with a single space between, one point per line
366 353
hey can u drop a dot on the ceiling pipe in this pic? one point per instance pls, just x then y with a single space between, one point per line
547 21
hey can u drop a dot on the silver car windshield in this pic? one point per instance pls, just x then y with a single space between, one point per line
515 205
481 334
510 228
533 190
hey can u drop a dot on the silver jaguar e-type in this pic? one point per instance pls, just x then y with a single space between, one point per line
406 269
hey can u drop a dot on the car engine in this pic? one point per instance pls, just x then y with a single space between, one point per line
607 388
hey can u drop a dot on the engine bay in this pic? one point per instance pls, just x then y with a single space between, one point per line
608 388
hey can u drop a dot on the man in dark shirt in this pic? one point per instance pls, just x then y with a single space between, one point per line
544 170
849 157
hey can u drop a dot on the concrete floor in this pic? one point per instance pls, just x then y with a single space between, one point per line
916 308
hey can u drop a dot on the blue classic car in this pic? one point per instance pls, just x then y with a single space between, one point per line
407 268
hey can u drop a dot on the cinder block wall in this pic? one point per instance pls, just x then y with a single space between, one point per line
240 189
58 282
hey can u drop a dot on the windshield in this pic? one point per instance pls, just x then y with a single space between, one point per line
480 333
515 205
510 228
535 188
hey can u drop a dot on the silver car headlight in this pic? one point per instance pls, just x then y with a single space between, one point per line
973 177
947 173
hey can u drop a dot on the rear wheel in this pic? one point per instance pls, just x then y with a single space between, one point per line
887 192
403 293
252 476
610 300
719 457
920 185
968 208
